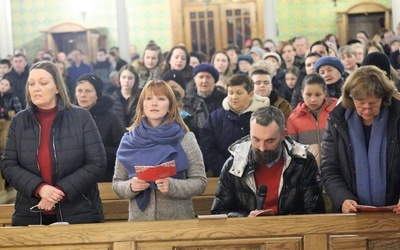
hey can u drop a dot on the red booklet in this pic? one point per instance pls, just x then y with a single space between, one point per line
364 208
153 173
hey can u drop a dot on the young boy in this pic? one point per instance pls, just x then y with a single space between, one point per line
5 67
260 73
244 63
9 103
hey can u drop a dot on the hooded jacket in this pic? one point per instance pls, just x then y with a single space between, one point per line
222 128
300 190
303 127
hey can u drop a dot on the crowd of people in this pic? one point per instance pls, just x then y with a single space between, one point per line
295 117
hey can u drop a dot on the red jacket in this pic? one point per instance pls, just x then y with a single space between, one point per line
304 128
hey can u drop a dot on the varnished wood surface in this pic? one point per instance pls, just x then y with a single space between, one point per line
363 231
116 209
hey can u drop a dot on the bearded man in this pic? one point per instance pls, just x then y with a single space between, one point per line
268 157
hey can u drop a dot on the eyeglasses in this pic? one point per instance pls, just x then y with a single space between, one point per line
35 209
371 105
367 109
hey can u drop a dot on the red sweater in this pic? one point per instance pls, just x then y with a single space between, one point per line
45 119
270 177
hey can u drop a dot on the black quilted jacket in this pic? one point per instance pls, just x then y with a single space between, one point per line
78 158
301 190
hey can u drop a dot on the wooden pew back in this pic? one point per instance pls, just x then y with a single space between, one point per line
116 209
307 232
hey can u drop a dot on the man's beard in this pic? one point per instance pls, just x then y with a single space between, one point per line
266 157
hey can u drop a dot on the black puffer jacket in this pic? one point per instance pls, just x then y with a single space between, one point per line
337 165
301 189
120 106
78 158
111 130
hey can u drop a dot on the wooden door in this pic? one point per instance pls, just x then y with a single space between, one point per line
346 24
238 23
202 29
211 27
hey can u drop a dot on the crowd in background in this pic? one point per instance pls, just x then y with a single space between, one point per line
215 94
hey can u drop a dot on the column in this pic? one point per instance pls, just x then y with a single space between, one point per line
123 30
395 14
6 41
270 24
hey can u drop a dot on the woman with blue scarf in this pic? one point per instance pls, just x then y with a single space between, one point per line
361 146
159 135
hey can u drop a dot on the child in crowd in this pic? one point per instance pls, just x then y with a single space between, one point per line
186 117
9 103
291 76
9 106
5 67
260 73
306 124
244 63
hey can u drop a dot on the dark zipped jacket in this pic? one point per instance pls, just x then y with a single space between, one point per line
338 172
78 158
301 191
111 131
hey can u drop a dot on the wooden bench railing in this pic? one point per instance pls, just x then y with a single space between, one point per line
307 232
116 209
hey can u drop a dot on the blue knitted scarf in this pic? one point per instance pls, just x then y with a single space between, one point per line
148 146
370 166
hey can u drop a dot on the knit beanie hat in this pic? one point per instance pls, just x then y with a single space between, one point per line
243 57
205 67
197 55
175 76
257 50
379 60
95 80
394 39
329 60
274 55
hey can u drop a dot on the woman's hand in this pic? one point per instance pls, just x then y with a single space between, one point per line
397 209
138 185
50 197
349 206
163 185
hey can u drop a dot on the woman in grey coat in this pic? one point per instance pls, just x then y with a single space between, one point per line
158 136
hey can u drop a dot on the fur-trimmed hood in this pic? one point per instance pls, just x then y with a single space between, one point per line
240 151
256 102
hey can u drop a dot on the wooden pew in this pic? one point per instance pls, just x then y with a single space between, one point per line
307 232
116 209
6 211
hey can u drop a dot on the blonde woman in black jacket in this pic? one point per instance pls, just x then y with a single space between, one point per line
54 155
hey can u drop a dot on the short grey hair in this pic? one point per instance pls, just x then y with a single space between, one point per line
266 115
